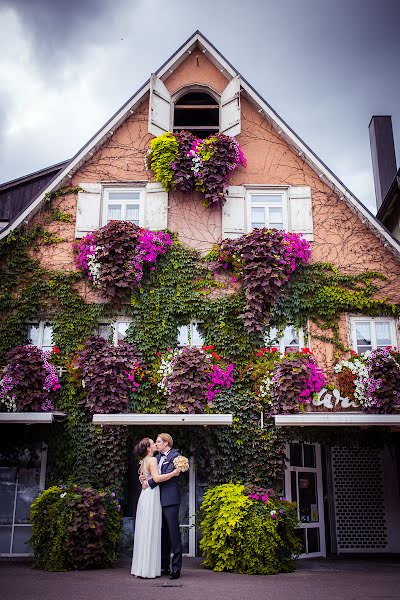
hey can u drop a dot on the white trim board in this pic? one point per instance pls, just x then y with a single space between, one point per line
322 419
197 40
31 418
160 419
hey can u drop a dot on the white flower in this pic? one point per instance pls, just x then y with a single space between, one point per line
63 495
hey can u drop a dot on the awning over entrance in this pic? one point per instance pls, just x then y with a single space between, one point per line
161 419
335 419
31 418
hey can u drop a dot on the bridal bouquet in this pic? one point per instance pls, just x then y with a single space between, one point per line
181 463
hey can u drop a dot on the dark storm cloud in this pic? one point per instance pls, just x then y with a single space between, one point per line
59 28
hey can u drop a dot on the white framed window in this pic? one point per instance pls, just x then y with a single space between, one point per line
369 333
114 332
291 340
189 335
123 204
267 207
40 334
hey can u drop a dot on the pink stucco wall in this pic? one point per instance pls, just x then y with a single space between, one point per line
340 236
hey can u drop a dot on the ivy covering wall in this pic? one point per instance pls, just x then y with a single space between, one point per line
183 287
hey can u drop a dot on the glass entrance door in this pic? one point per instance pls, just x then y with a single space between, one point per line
187 517
303 485
19 486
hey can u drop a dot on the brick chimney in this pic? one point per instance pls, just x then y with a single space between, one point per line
383 155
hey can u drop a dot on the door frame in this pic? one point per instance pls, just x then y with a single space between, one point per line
288 493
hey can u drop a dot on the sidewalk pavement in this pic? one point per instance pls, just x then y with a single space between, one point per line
329 579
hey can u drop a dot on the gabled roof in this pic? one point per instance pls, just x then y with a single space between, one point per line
197 40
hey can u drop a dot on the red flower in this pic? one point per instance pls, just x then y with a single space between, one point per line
274 349
306 350
56 350
158 353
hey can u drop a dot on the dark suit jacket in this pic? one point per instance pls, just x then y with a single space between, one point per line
170 492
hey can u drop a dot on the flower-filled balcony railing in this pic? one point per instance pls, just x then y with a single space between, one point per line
294 383
183 162
371 381
30 381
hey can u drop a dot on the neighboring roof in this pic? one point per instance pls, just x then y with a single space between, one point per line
16 195
197 40
392 191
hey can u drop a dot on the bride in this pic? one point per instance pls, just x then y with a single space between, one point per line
146 561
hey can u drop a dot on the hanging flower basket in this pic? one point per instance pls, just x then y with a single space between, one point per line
192 377
29 381
263 261
183 162
117 256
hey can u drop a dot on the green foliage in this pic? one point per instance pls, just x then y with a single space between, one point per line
321 293
243 452
74 528
164 150
247 536
223 511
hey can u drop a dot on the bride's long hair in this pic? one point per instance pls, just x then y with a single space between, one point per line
140 450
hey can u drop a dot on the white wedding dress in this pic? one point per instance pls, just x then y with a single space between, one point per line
146 561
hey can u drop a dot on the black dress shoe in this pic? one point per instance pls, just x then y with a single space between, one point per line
165 572
175 575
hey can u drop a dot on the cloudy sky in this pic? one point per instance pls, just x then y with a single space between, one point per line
326 66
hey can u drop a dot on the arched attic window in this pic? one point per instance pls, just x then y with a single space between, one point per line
197 112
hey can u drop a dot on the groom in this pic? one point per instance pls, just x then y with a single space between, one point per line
170 497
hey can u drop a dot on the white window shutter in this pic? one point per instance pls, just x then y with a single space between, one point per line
300 211
234 212
156 206
230 108
159 107
88 209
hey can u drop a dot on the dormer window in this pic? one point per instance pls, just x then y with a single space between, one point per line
196 108
197 112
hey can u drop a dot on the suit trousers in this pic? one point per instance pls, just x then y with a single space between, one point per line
171 538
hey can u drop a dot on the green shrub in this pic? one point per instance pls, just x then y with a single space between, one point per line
164 150
253 535
75 528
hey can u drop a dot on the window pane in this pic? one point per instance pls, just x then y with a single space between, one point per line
291 338
308 505
363 335
21 536
383 333
132 213
7 494
183 335
309 455
296 457
122 327
275 217
266 199
257 217
5 540
114 212
313 539
33 334
124 195
104 330
47 343
293 486
27 492
197 339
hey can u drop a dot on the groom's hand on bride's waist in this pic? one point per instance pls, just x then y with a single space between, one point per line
144 485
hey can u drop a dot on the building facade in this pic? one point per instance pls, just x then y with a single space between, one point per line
342 468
